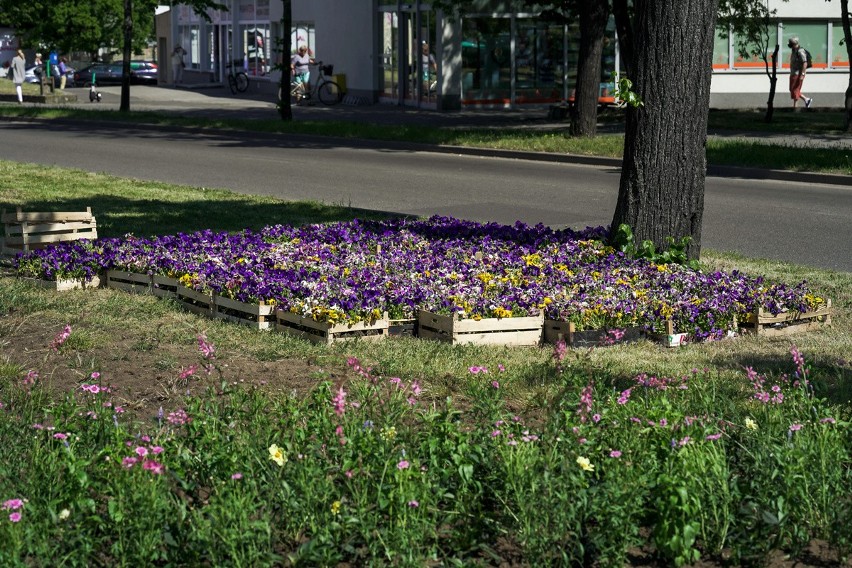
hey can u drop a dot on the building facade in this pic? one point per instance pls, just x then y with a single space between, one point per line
409 53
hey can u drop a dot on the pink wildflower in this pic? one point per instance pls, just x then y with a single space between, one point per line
154 467
495 384
13 504
129 462
237 475
15 517
60 436
141 451
413 504
403 465
615 454
713 437
795 427
61 338
339 402
188 372
208 351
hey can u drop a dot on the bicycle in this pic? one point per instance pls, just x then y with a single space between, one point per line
326 90
238 82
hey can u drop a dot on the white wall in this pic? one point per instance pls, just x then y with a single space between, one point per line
806 8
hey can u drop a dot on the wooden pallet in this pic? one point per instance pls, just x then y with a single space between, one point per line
128 281
322 332
567 331
518 331
67 284
763 323
256 316
164 286
200 303
28 231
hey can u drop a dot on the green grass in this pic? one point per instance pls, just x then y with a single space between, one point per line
385 482
763 154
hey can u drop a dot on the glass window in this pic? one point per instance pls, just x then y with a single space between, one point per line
538 51
839 55
721 50
812 36
190 40
486 61
750 59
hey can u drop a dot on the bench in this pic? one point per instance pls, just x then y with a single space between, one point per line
28 231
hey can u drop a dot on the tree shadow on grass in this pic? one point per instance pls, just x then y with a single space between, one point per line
117 216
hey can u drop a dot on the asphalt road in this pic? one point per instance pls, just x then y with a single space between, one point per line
805 224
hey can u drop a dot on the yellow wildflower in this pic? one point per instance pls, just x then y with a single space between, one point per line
750 424
585 464
277 455
335 508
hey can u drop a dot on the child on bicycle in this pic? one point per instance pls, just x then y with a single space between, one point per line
299 68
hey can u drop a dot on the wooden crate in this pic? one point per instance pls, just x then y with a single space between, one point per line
164 286
128 281
200 303
518 331
256 316
763 323
554 329
28 231
402 327
67 284
321 332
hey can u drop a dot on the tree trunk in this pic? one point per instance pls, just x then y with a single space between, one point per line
662 179
847 34
285 109
593 18
773 83
625 37
126 53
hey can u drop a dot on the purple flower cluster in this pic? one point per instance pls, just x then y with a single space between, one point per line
355 270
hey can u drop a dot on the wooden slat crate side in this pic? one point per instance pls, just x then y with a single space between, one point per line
555 329
254 324
260 310
194 301
321 332
164 286
66 285
128 281
49 228
55 216
43 239
762 317
786 323
488 331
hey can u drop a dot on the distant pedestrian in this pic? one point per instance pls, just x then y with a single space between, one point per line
798 69
63 72
178 65
19 70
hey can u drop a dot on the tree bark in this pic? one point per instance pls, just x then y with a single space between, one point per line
285 108
773 83
661 193
124 106
593 18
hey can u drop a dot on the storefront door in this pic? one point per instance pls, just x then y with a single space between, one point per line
408 65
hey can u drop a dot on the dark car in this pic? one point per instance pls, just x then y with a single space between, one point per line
141 73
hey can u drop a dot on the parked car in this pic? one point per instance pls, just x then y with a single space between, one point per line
141 73
30 75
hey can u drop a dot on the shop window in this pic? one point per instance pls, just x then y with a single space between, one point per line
750 59
189 39
812 36
839 55
721 50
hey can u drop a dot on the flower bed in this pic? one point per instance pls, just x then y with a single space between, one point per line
345 273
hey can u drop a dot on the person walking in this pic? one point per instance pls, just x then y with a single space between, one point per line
178 64
19 70
63 72
798 68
